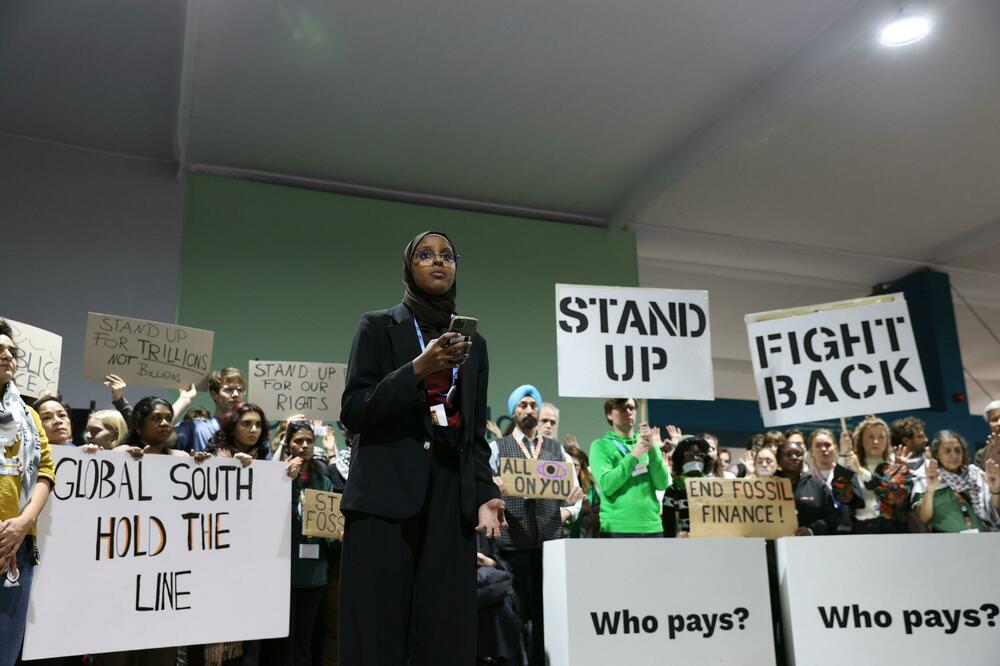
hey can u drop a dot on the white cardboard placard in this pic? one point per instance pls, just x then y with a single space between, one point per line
678 610
914 599
237 589
632 342
836 359
40 355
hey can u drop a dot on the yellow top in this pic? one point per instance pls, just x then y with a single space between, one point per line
10 486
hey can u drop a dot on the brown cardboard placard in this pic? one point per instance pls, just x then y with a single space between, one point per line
538 479
761 507
321 516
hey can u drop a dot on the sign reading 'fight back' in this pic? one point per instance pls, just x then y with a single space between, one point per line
625 341
837 359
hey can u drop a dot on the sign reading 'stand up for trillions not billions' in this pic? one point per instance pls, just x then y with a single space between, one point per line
837 359
626 341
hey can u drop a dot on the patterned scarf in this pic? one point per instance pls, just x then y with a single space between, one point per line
24 430
966 481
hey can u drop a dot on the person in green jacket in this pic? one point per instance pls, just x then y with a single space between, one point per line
628 470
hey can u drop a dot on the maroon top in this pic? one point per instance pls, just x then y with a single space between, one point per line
437 385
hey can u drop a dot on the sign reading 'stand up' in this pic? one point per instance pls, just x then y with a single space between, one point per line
146 353
837 359
626 341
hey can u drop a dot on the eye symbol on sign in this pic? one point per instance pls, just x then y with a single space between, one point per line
549 469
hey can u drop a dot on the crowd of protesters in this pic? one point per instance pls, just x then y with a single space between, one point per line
879 478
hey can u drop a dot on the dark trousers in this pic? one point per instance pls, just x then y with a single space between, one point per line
408 587
304 608
526 567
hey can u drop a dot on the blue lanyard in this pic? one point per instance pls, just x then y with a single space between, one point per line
620 444
454 371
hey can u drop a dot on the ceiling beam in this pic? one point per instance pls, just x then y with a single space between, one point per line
857 25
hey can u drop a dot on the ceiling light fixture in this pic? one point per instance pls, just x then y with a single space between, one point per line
905 29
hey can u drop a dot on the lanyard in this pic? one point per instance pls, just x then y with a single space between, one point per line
620 444
454 371
963 506
524 449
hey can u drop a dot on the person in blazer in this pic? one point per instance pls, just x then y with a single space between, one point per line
420 485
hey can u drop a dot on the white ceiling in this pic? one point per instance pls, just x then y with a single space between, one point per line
772 141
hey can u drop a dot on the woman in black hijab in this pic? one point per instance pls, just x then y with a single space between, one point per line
420 484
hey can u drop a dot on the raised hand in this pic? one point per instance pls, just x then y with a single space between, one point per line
846 443
674 435
902 453
494 428
569 441
117 386
933 473
993 475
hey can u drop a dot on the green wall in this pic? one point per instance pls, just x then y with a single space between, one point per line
281 273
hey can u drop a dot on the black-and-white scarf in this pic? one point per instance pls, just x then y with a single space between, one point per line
968 482
23 429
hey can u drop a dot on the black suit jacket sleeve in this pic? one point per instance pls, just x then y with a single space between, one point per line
485 488
372 397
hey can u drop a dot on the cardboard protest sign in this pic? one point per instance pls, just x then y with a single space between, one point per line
166 547
283 388
541 479
147 353
837 359
641 343
949 613
321 516
610 602
762 507
39 354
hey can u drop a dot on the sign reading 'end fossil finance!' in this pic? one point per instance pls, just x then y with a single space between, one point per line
626 341
837 359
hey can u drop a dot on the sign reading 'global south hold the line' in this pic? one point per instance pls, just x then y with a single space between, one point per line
626 341
836 359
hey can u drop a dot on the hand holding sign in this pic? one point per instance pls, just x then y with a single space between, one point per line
117 386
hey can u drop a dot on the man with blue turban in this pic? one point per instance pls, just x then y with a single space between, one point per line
532 521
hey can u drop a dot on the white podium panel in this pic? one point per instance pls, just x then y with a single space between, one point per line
914 599
657 601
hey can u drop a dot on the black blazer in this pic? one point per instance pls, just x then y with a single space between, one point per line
388 410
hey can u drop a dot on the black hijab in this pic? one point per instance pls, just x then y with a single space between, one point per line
433 313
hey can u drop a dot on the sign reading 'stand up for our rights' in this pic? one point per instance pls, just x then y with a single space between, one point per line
641 343
836 359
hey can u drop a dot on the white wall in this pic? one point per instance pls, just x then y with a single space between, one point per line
86 231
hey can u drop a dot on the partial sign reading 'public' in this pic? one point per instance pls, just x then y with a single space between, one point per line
837 359
625 341
762 507
146 353
541 479
283 388
39 353
165 546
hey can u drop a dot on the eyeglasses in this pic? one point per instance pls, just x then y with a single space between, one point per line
625 408
426 257
233 390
